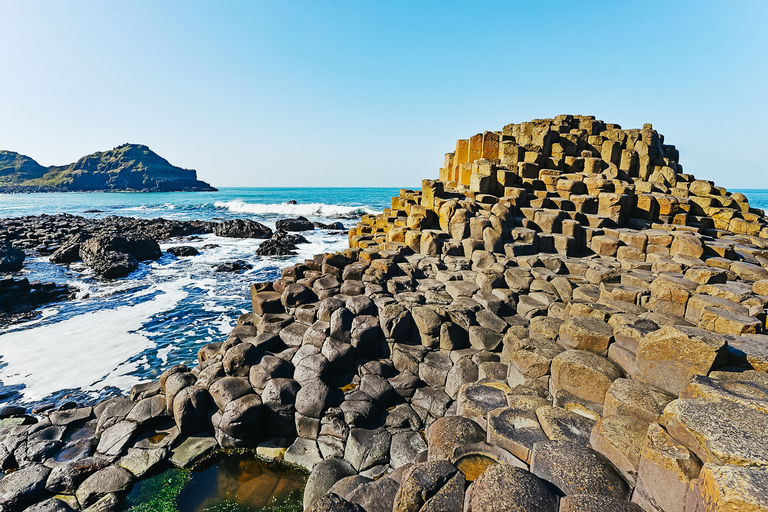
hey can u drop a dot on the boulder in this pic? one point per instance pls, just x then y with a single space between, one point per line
241 228
183 250
227 389
11 259
323 476
297 224
112 256
375 496
23 487
584 374
436 485
722 432
666 471
112 479
367 448
190 410
730 488
505 488
333 503
241 420
670 356
577 469
563 425
450 431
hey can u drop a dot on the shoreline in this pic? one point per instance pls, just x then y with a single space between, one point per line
523 332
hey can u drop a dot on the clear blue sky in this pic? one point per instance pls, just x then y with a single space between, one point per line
364 93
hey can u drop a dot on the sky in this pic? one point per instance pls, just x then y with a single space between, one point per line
374 93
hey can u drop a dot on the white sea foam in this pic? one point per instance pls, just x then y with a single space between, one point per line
334 211
89 351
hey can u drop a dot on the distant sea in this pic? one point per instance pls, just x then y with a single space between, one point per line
122 332
118 333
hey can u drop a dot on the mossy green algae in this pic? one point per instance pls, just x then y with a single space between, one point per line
227 481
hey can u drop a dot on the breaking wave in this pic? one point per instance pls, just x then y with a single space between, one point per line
331 211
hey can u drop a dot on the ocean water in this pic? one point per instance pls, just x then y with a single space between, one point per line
122 332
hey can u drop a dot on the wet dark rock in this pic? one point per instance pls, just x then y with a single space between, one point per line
233 266
11 410
69 251
11 258
113 256
19 298
242 228
183 250
297 224
276 248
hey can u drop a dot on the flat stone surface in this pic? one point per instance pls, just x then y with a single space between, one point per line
584 374
749 351
630 397
515 430
476 400
723 432
669 357
448 432
191 450
561 425
731 488
585 333
745 391
303 452
112 479
116 438
140 462
577 469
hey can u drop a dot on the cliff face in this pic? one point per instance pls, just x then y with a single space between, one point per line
130 167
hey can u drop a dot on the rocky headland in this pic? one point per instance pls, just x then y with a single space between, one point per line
130 167
563 321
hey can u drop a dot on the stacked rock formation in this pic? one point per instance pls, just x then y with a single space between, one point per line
563 321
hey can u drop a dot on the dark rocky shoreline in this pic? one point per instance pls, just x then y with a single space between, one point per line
113 247
564 321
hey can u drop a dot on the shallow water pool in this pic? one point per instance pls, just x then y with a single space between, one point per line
227 481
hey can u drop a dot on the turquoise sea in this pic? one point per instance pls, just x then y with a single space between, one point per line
121 332
118 333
